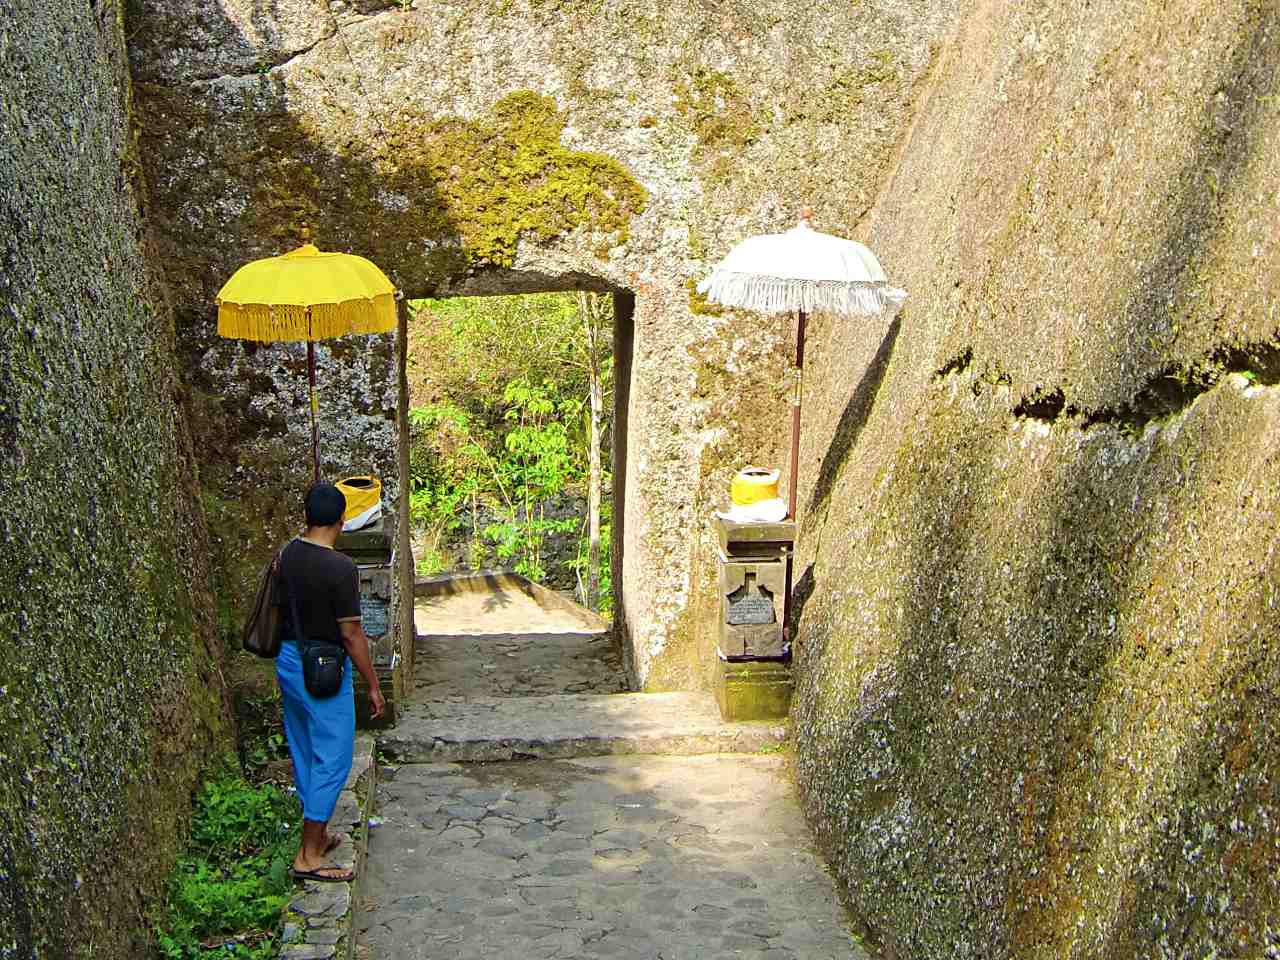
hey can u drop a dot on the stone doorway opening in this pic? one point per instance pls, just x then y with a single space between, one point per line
497 414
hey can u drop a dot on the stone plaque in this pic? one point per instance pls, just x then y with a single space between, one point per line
750 604
375 616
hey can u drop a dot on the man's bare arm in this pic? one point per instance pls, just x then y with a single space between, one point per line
356 642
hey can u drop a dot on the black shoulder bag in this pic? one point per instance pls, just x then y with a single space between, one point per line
322 659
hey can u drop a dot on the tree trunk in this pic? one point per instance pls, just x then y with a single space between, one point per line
595 380
593 490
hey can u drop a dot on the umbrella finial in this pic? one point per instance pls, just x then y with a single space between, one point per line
305 232
806 216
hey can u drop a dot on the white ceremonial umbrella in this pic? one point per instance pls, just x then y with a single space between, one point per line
802 271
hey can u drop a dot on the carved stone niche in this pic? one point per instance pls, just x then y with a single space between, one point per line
751 607
372 550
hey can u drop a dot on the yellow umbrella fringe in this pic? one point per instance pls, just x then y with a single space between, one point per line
271 324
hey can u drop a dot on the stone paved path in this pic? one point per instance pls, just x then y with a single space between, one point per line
502 643
635 857
645 855
462 666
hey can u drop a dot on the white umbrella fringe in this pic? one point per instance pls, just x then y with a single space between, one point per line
751 291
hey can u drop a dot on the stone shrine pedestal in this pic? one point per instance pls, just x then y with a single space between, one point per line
753 676
371 549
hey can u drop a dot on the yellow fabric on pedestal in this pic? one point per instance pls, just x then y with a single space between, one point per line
362 493
752 485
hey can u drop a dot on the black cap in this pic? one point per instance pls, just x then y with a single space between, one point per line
324 505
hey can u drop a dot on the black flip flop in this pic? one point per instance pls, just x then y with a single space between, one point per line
317 875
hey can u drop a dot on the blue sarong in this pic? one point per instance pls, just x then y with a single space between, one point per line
321 735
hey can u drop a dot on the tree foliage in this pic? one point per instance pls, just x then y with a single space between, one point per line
502 392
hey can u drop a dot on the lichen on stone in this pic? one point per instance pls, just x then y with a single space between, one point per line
508 177
109 688
717 109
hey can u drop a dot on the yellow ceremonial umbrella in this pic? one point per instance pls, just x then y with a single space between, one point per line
306 294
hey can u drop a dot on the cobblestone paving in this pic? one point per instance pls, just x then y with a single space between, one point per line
626 857
460 667
501 643
637 856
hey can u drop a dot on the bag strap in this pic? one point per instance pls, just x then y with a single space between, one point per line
299 634
274 572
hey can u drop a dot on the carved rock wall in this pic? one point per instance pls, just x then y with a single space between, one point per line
110 693
508 146
1037 716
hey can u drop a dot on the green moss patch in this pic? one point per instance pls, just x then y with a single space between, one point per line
506 178
433 198
109 692
700 305
718 110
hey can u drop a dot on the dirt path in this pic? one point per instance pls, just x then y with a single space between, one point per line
499 609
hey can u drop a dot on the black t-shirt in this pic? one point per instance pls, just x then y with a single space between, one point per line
328 586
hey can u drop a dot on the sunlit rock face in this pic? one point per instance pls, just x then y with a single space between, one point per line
1038 657
110 695
1037 674
501 147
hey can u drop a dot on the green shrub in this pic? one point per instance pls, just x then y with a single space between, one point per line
508 425
226 893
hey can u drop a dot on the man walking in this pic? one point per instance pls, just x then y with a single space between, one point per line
323 586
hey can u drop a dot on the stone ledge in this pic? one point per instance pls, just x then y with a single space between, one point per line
318 920
566 726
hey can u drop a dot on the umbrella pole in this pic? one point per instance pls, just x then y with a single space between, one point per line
792 479
801 319
315 400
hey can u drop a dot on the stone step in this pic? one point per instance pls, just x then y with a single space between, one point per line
573 725
318 922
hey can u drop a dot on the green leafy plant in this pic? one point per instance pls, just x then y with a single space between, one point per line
265 749
477 555
521 541
226 892
538 465
430 561
516 419
261 735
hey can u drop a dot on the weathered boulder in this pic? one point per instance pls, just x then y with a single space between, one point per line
503 147
110 691
1039 670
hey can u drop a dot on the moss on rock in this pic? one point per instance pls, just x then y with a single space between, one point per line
488 183
717 109
1036 664
500 180
110 697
